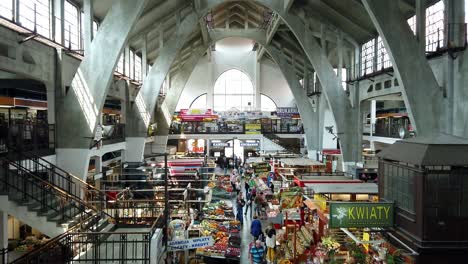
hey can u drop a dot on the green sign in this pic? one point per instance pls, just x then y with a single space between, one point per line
349 214
261 167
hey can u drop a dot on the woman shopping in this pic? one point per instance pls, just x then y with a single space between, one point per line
270 243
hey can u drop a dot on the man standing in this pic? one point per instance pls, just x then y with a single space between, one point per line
257 252
256 228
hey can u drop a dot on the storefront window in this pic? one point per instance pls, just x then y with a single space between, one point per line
399 186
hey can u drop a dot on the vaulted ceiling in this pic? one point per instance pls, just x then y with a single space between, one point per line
346 17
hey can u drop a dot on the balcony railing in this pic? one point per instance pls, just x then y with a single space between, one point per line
240 129
28 137
115 134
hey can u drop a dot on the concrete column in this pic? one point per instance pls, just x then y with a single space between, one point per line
208 142
127 61
88 24
258 102
420 87
421 24
144 57
455 21
58 25
306 111
212 80
79 110
373 111
340 51
161 37
4 231
142 110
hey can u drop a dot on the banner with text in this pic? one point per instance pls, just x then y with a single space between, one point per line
191 243
350 214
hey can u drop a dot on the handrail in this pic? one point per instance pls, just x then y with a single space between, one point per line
58 190
57 240
51 242
55 167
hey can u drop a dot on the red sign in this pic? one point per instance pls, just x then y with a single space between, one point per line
196 115
331 151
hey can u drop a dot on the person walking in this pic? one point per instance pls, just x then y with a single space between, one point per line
257 253
225 165
259 201
270 243
233 178
246 186
240 204
256 228
249 204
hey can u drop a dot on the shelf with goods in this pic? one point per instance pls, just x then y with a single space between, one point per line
218 221
295 243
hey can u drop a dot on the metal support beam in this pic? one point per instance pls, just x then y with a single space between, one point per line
88 24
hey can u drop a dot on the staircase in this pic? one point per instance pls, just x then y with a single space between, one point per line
277 141
46 197
51 200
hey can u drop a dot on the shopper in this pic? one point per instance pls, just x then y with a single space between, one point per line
249 204
256 228
272 188
225 165
240 204
257 253
246 186
233 178
270 243
259 201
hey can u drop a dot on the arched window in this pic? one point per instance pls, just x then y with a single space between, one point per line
268 105
199 102
233 89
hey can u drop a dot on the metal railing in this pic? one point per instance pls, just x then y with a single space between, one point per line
28 137
240 129
96 247
61 180
117 134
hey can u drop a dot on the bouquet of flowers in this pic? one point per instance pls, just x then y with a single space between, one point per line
330 245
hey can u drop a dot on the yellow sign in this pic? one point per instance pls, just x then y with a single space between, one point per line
253 128
365 237
320 201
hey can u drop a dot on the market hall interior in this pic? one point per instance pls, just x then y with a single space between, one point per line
154 131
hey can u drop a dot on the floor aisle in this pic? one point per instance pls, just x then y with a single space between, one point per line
246 237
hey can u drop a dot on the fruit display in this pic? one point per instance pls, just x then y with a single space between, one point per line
219 210
291 201
232 252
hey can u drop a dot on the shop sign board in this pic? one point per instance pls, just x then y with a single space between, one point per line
219 144
352 215
261 167
253 129
331 151
249 144
191 243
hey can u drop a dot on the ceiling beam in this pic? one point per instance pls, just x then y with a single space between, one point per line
347 20
273 27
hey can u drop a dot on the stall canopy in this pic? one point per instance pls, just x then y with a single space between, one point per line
300 162
432 150
343 188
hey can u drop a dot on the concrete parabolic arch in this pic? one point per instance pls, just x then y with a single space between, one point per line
345 116
309 117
